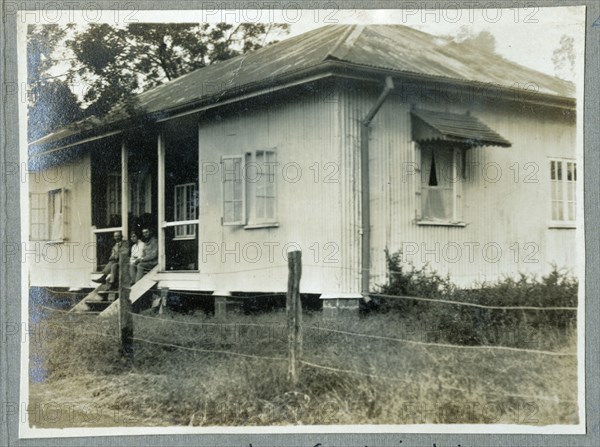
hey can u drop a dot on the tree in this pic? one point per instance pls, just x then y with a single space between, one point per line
484 40
51 102
563 58
116 63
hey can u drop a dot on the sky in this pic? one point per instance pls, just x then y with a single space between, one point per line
527 36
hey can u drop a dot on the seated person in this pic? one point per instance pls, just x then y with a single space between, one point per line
137 249
110 274
149 257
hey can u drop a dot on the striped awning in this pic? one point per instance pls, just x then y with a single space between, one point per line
466 130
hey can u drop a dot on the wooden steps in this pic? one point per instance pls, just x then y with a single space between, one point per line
138 290
106 301
92 302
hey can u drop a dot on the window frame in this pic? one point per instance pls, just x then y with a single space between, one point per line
250 190
253 220
564 201
114 180
458 172
186 235
48 212
140 196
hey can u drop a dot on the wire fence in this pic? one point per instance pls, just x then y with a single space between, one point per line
442 345
351 335
480 306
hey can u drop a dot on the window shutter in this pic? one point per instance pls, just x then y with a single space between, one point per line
66 212
458 183
419 171
233 191
38 216
57 214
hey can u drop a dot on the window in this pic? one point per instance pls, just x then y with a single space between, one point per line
249 189
47 219
264 188
186 208
140 196
563 179
113 199
440 185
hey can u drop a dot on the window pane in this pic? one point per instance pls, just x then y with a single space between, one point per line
432 172
560 212
555 209
260 207
270 188
56 218
437 184
270 208
264 191
228 212
437 204
563 177
572 200
570 172
555 188
237 211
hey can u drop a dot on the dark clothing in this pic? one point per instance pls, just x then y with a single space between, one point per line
112 267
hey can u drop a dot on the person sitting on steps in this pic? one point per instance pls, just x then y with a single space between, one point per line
149 257
110 273
137 250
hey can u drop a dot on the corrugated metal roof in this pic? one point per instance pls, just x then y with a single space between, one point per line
465 129
408 50
391 47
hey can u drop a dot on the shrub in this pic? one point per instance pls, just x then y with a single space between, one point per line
473 325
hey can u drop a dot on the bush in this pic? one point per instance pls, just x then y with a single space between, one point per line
473 325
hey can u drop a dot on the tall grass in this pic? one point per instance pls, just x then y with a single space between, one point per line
184 371
401 383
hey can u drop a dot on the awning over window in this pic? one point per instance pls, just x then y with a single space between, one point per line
466 130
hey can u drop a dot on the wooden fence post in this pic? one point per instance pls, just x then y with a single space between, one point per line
164 293
125 319
294 314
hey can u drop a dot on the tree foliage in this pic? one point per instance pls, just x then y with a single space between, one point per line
484 40
52 103
115 63
563 58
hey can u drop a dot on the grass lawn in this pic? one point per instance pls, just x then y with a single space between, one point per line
77 373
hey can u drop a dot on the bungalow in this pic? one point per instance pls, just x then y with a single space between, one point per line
345 142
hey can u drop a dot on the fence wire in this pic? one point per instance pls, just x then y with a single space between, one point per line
461 303
441 345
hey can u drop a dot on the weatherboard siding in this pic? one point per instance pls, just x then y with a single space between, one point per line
70 263
510 212
319 211
302 131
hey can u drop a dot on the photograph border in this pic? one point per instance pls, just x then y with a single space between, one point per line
10 275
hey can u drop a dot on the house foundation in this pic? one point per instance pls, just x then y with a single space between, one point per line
224 303
335 305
